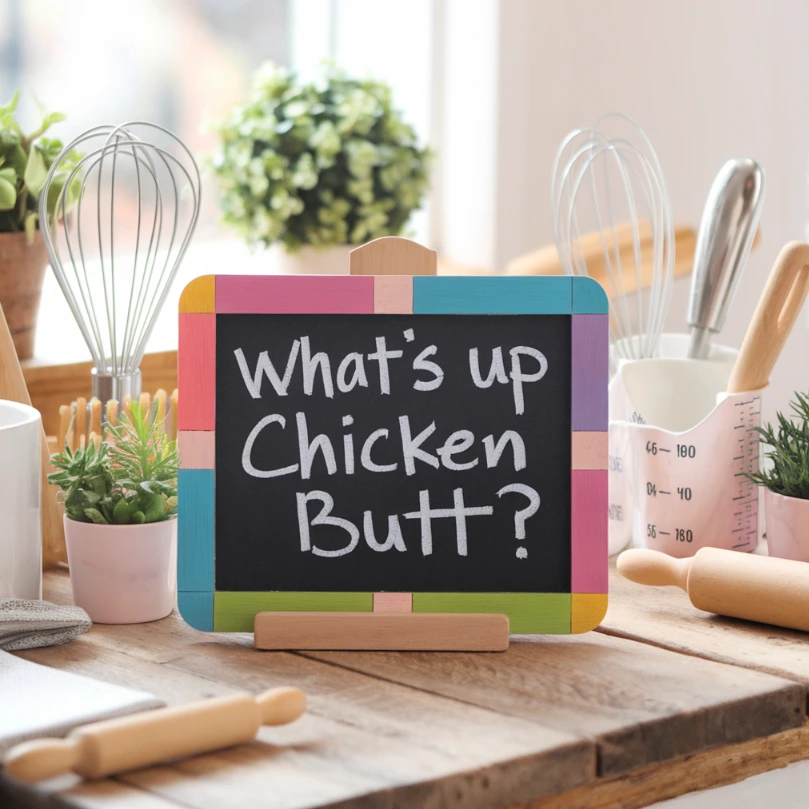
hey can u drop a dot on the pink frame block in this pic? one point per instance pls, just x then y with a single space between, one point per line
196 372
393 602
393 294
589 450
295 295
197 449
588 531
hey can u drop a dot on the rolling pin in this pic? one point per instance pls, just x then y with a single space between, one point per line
130 742
740 585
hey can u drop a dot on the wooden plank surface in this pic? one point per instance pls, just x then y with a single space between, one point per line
640 704
430 729
363 741
664 616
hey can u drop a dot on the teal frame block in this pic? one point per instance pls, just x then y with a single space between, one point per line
589 297
195 552
492 295
196 609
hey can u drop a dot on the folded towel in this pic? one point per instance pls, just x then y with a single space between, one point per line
41 701
28 624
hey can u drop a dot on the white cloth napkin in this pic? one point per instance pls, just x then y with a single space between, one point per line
28 624
42 701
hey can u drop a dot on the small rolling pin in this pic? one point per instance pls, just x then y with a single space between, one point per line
740 585
130 742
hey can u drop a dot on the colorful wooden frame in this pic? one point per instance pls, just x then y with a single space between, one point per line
583 299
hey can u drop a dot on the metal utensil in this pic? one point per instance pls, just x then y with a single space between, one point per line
725 237
117 212
607 179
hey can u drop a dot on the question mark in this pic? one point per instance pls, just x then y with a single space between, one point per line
523 514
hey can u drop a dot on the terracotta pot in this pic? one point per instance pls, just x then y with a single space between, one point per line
22 270
787 526
311 261
123 574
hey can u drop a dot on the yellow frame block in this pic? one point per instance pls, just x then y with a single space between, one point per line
587 611
199 295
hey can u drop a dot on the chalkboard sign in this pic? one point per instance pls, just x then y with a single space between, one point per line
360 443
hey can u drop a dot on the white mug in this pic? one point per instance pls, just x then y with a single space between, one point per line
20 525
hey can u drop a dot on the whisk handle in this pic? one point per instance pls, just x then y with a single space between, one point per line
775 315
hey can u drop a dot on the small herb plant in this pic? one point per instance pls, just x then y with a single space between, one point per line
323 163
24 164
789 452
128 478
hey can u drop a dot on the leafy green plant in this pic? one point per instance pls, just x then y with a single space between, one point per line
24 164
789 474
322 163
130 477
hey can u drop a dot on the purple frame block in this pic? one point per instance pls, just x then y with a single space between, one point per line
590 372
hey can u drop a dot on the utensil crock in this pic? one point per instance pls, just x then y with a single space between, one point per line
20 503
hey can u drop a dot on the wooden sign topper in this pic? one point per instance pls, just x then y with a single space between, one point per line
392 443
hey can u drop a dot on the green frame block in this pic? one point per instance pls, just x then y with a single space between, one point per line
236 611
528 613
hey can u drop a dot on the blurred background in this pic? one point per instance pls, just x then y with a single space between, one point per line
492 85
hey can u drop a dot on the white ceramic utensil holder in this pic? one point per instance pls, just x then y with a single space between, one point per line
20 525
679 450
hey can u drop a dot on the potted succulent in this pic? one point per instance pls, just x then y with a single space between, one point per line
24 163
786 482
120 499
318 168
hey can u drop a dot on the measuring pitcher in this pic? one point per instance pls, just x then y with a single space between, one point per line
685 484
680 452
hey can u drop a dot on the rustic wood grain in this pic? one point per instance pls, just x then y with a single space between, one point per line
441 729
709 770
664 616
363 741
640 704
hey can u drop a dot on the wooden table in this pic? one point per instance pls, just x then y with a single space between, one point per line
660 701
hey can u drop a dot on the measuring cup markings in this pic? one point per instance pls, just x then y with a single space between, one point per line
686 490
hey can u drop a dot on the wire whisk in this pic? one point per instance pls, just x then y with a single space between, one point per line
613 184
117 213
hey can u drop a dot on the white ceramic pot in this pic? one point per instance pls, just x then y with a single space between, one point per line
313 261
123 574
20 526
787 526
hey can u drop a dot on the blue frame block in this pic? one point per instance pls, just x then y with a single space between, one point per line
503 295
196 609
589 297
195 557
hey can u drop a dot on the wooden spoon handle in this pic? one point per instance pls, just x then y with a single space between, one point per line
773 319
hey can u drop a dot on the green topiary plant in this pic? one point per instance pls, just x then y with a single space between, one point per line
789 474
324 163
130 477
24 163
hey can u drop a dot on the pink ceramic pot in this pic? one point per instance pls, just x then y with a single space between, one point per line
123 574
787 526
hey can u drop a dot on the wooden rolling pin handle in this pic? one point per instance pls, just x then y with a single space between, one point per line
41 759
280 706
654 568
130 742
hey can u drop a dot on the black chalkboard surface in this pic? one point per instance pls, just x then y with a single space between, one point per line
380 397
